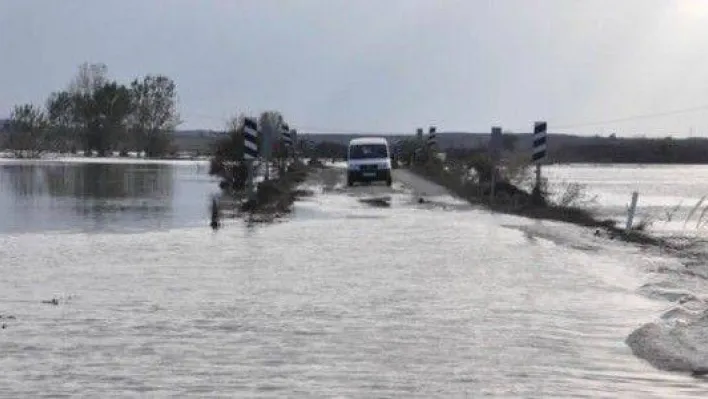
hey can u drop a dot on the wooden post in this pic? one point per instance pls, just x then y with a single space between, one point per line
215 216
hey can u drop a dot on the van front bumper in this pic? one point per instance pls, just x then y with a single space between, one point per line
369 175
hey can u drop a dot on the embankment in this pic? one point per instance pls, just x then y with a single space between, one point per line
511 199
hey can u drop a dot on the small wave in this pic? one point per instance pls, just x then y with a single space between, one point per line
684 271
665 291
680 315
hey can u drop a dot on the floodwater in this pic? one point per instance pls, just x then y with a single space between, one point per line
343 299
667 193
96 195
672 203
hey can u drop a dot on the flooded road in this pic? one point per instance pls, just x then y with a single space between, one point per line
344 299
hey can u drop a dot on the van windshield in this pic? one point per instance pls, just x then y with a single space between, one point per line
368 151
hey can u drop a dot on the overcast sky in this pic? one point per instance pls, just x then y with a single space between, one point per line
381 65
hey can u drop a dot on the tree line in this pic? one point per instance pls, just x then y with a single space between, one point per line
665 150
98 115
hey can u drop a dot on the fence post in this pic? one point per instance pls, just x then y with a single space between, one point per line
632 211
215 213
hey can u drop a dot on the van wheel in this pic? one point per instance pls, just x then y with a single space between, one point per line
350 182
388 182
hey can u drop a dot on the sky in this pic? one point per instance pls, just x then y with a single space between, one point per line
630 67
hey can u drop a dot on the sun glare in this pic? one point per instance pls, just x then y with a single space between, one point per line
692 9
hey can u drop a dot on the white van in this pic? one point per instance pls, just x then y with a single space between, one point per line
368 159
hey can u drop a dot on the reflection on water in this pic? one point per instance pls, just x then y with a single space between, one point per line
100 196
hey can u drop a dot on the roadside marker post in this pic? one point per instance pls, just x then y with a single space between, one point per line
539 154
495 143
250 152
418 151
286 135
287 140
431 144
432 138
295 145
267 135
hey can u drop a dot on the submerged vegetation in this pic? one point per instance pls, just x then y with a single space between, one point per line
276 181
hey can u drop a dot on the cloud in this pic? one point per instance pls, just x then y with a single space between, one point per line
380 65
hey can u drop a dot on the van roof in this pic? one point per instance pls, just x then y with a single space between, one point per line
368 140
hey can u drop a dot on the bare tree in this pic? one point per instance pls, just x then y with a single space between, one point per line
89 79
28 131
155 113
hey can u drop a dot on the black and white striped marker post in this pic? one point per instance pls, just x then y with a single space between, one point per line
250 151
287 143
432 138
250 139
539 151
539 142
295 144
418 147
287 136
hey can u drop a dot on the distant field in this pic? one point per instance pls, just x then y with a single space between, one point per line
194 143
